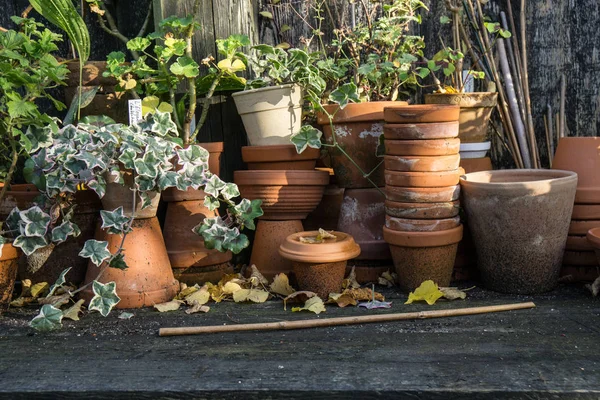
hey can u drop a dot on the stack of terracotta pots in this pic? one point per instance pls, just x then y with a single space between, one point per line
422 172
290 188
581 155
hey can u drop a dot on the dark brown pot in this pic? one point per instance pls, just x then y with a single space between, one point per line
8 274
265 248
282 157
422 195
421 179
358 127
433 147
420 256
118 195
421 113
433 130
578 243
580 258
422 210
327 213
149 279
20 195
582 227
319 267
573 273
422 163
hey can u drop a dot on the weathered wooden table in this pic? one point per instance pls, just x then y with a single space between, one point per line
550 352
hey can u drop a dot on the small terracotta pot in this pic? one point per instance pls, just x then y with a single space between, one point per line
581 155
283 157
149 279
118 195
475 112
421 113
8 274
586 212
587 196
199 275
422 210
433 147
265 248
422 163
593 236
582 227
433 130
519 220
19 195
422 195
319 267
580 258
362 216
358 128
476 164
421 225
578 243
419 256
215 150
573 273
422 179
286 195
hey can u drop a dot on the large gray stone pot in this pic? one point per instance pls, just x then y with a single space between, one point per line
519 220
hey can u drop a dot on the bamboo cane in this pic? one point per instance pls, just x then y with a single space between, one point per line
525 76
550 132
563 99
317 323
546 131
514 71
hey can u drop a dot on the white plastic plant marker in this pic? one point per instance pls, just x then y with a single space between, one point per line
135 111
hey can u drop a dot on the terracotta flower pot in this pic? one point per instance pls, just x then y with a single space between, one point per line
593 237
580 258
319 267
422 163
421 179
420 113
581 155
265 248
419 256
432 130
118 195
286 195
475 112
422 210
586 212
283 157
476 164
149 279
421 225
433 147
582 227
572 273
8 274
19 195
519 220
358 128
271 114
422 195
578 243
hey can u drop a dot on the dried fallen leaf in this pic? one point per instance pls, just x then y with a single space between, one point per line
40 289
314 304
341 299
216 292
56 301
452 293
364 294
298 297
253 295
231 288
387 279
256 277
172 305
350 281
22 301
73 311
376 304
25 288
428 291
197 308
125 315
201 297
281 285
594 287
185 292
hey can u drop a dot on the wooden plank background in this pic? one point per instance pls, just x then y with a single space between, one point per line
562 36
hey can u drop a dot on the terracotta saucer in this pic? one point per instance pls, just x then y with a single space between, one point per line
421 225
341 249
422 195
422 163
580 258
432 147
422 179
433 130
279 157
586 212
578 243
582 227
422 210
423 239
420 113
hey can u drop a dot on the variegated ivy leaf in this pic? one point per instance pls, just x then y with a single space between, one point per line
105 136
194 155
36 221
116 175
230 191
98 185
29 244
308 136
13 219
160 123
345 94
144 183
127 158
146 199
96 251
247 211
115 221
118 262
105 297
235 240
147 166
196 175
67 133
159 146
39 136
213 231
184 182
167 179
74 165
211 203
49 319
90 160
64 230
214 186
59 282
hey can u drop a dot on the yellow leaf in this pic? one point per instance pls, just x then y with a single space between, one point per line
238 65
200 297
39 289
186 292
95 9
253 295
130 84
314 304
451 293
231 66
428 291
149 104
281 285
298 297
22 301
216 292
165 107
364 294
283 45
341 299
73 311
266 14
168 306
231 288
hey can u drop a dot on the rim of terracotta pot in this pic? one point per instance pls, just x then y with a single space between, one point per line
587 196
356 112
277 152
423 239
465 100
431 147
9 252
281 177
422 179
517 180
264 89
593 236
421 225
577 227
578 243
344 248
212 147
421 131
421 113
586 211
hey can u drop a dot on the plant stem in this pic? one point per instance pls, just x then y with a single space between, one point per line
13 164
205 107
187 123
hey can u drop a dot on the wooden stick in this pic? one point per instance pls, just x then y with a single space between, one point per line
525 77
317 323
550 132
563 99
548 139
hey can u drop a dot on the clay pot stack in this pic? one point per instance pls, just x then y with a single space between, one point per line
290 188
422 172
580 154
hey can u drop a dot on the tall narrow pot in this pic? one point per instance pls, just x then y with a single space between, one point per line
519 220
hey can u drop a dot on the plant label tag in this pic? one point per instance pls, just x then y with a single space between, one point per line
135 111
469 81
